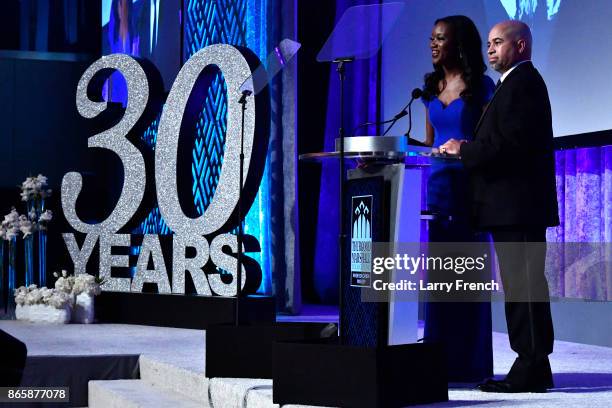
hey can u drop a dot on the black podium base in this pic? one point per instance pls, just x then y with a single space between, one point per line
246 351
184 311
316 373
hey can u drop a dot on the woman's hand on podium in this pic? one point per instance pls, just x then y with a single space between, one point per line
452 146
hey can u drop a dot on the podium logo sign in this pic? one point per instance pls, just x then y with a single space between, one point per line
361 241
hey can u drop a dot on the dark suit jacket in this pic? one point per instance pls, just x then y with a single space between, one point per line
166 54
511 160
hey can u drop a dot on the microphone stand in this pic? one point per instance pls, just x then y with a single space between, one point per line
396 117
341 69
416 93
400 115
240 237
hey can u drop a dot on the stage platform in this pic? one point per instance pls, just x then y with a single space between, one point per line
169 369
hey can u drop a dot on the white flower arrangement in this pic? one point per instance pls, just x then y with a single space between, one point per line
86 284
43 305
44 219
77 285
26 226
82 288
10 225
72 295
59 299
14 223
33 295
34 188
64 282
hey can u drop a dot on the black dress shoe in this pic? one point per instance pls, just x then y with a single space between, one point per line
488 382
503 386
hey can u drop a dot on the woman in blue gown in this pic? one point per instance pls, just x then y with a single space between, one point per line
455 95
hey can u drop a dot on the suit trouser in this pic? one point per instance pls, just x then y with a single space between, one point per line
521 253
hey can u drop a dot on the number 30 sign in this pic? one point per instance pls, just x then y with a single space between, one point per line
219 217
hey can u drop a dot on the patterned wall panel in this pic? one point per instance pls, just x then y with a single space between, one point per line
153 223
211 22
208 22
205 23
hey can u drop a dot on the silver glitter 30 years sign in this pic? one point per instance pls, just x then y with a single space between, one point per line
207 234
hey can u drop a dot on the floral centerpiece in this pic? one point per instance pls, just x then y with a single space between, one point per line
14 224
71 299
35 189
43 305
34 193
33 225
9 230
10 225
83 287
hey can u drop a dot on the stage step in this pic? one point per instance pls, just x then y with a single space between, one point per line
135 394
189 382
180 384
192 383
187 379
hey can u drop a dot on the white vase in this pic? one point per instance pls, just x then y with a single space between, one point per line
37 313
43 314
83 311
49 314
22 312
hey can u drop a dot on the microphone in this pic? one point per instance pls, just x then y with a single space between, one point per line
416 93
407 110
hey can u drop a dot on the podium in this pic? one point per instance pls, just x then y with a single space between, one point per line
386 193
377 362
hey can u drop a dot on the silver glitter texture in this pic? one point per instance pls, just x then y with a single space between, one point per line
159 275
113 139
225 262
107 261
180 264
235 70
80 256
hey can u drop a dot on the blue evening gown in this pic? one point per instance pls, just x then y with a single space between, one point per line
463 327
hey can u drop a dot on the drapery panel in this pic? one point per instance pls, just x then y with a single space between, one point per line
579 263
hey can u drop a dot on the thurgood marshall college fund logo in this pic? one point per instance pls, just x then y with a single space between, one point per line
361 241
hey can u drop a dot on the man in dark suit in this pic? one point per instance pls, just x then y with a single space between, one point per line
512 169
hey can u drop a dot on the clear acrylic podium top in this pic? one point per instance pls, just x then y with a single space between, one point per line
360 32
384 149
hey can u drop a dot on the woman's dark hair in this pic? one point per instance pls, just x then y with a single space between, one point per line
469 51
